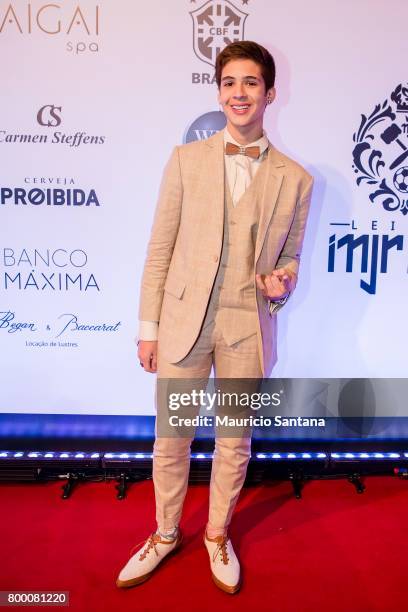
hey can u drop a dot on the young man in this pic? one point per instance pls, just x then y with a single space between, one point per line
222 259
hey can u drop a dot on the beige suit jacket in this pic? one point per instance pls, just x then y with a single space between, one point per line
186 239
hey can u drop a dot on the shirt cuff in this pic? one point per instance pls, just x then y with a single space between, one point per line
148 330
274 306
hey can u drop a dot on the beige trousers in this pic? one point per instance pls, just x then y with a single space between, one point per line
171 456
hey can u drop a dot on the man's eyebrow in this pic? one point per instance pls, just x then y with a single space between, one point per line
245 77
249 76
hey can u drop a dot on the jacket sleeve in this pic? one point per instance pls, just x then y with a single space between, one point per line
289 257
162 240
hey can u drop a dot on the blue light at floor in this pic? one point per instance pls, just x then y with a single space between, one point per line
268 456
298 456
48 455
127 456
201 455
362 455
149 456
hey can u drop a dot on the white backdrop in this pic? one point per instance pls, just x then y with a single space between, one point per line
95 95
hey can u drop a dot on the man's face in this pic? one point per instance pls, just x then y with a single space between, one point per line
242 95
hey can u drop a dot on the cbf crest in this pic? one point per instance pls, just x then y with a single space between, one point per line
217 23
380 156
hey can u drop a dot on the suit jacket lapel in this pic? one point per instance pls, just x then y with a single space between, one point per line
269 197
216 177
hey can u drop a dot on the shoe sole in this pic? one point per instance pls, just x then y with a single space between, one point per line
124 584
225 587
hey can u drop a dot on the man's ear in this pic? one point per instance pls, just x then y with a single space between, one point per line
270 95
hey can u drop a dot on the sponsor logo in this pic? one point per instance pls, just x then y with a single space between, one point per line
46 270
48 197
205 126
380 165
50 116
64 324
71 323
78 26
36 192
216 24
11 325
381 151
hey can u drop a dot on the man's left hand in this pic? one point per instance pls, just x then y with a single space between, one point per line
276 285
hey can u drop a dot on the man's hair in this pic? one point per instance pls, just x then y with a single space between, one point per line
247 49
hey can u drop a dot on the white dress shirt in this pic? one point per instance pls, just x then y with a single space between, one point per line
239 170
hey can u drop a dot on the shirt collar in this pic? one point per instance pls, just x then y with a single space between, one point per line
262 142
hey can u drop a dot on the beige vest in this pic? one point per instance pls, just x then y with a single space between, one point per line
232 303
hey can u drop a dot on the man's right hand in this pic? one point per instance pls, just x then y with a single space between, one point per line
147 354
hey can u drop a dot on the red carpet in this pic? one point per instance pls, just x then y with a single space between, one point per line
333 550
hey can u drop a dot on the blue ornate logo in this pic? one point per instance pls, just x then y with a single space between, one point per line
205 126
381 151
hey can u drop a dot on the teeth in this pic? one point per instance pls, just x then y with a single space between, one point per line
240 107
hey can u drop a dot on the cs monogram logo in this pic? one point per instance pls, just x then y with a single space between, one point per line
48 116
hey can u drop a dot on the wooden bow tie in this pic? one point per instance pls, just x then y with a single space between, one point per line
233 149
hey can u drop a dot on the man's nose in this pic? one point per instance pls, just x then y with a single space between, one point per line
239 91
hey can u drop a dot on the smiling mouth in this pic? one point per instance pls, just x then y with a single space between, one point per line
240 109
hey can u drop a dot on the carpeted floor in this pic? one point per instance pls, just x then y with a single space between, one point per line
334 550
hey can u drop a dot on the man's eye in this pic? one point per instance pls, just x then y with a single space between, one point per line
228 84
252 83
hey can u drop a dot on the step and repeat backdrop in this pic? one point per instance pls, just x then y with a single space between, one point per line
94 97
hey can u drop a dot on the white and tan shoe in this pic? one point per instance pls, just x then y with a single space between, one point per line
224 563
143 563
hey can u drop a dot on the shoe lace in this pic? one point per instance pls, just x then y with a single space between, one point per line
222 548
151 544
